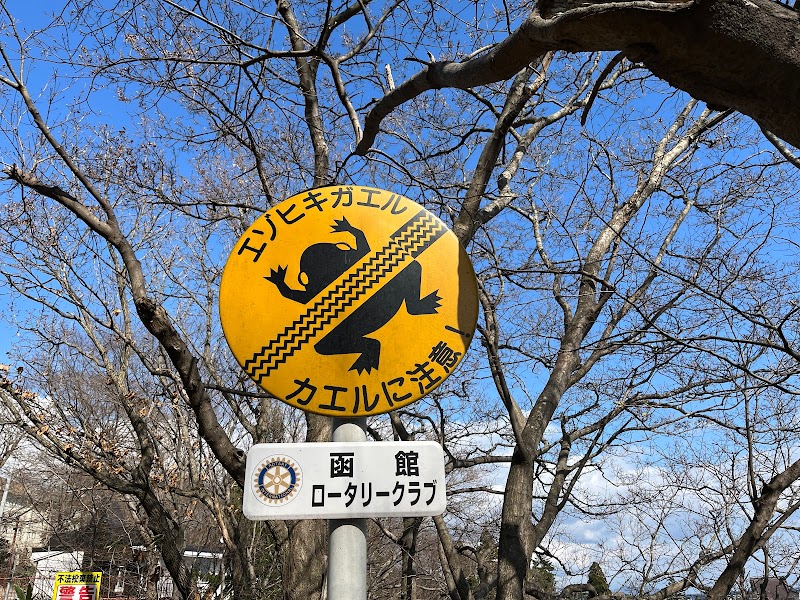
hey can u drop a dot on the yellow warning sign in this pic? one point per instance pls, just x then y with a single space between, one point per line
348 301
77 585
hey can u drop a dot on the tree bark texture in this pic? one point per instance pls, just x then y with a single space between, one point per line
304 569
515 549
170 544
408 546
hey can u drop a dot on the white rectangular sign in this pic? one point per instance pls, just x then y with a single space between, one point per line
344 480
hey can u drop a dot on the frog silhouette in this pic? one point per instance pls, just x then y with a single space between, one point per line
323 263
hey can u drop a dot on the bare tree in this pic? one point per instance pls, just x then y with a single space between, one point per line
607 256
606 317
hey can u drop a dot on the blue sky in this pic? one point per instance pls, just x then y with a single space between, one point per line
30 15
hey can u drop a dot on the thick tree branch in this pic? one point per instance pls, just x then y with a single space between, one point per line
755 534
729 53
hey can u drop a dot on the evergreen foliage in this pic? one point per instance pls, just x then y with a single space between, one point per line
597 579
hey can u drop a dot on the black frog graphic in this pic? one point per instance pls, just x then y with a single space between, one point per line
321 264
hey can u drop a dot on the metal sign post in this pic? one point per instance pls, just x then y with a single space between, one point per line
347 538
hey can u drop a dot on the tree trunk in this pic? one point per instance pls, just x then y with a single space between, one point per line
242 573
408 546
304 569
170 541
514 551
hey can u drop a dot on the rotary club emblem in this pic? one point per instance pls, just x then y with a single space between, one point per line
277 480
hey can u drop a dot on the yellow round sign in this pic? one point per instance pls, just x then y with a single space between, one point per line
348 301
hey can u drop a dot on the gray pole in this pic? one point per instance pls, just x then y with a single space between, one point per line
5 495
347 538
2 512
